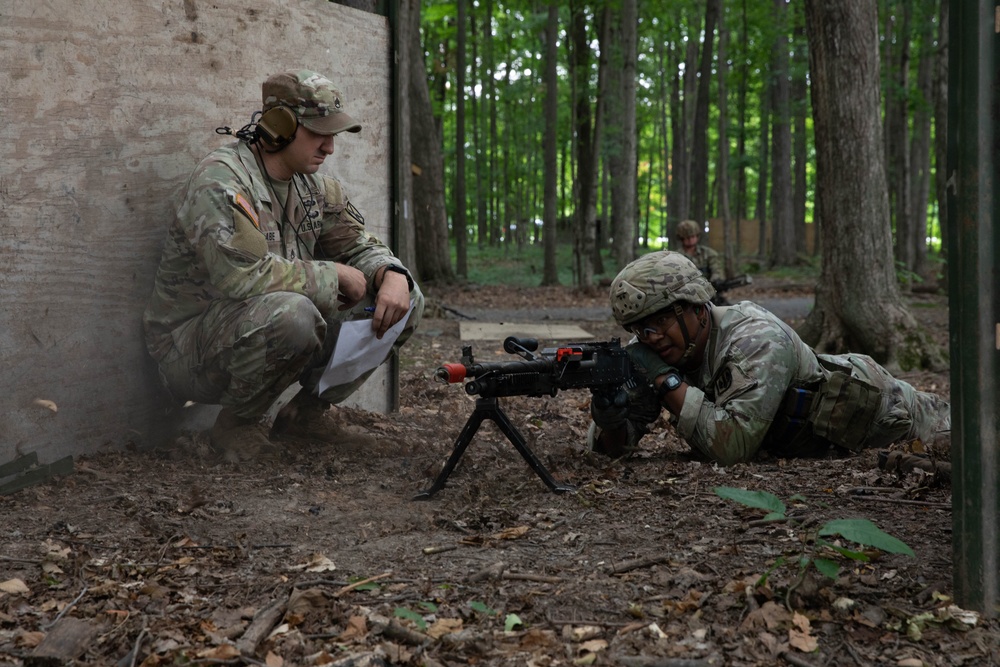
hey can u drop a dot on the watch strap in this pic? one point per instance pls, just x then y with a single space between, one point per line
395 268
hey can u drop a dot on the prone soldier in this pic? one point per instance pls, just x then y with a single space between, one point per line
737 379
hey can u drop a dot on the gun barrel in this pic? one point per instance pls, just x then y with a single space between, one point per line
450 373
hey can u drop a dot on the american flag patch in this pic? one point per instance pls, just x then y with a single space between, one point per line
245 206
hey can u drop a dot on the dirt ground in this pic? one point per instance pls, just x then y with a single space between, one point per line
319 555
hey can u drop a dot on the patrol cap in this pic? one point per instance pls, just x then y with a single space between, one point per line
312 97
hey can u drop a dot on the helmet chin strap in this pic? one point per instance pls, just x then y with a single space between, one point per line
689 343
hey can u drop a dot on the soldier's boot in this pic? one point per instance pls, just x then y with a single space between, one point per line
903 463
308 417
239 438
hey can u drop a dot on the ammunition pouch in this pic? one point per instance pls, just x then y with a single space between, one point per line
847 407
838 411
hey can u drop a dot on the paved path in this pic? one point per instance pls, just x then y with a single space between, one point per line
796 307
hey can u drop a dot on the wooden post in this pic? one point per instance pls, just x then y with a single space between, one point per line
973 250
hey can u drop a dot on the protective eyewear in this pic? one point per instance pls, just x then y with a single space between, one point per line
657 324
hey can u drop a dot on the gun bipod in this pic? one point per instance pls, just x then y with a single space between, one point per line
489 408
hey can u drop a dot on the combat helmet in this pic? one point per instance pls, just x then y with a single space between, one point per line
687 229
654 282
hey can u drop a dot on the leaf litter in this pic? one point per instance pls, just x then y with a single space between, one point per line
176 556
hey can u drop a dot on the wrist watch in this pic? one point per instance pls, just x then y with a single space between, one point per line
670 382
395 268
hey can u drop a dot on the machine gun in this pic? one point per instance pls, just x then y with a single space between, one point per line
722 286
601 367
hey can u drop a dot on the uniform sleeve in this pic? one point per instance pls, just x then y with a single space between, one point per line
715 267
344 237
220 226
748 387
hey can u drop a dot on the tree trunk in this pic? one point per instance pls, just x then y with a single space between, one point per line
550 271
586 175
460 223
728 231
684 101
800 137
742 206
782 224
858 303
760 208
623 149
429 214
405 239
940 127
897 119
699 148
920 152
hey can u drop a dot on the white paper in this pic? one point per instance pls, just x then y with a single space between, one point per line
358 351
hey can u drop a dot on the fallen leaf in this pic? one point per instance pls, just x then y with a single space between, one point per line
47 404
771 616
801 622
593 646
316 563
444 626
803 641
272 660
511 533
224 652
585 632
30 639
14 587
357 628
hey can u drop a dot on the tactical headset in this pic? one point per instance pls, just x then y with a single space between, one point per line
277 126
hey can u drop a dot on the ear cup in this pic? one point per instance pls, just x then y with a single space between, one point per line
277 126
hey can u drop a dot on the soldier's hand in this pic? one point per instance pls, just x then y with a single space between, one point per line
610 412
352 285
647 360
391 303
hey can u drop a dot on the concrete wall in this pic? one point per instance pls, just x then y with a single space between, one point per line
106 107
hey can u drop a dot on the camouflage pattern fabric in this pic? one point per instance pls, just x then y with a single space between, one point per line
313 99
709 262
245 296
751 360
653 282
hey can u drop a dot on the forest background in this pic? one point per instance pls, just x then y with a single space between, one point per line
601 125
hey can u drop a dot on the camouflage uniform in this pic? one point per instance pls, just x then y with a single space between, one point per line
709 262
759 385
245 297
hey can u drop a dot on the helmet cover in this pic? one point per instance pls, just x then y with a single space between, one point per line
656 281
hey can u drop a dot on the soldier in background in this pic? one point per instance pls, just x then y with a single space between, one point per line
736 379
264 261
708 261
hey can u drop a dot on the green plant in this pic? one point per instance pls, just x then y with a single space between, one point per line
817 550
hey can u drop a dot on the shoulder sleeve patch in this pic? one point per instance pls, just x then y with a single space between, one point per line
245 206
732 381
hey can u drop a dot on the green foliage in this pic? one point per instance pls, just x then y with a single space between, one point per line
504 93
756 499
519 266
511 622
865 532
482 608
814 548
410 615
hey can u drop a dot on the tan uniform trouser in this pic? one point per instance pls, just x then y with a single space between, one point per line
244 354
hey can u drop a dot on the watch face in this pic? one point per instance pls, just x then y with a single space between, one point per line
670 382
